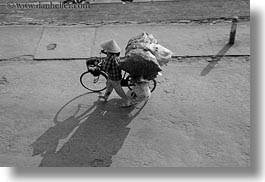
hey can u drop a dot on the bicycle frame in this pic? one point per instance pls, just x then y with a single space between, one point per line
124 81
94 68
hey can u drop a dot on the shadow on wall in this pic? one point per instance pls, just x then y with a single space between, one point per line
90 137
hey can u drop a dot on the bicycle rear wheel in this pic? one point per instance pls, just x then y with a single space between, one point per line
152 85
93 83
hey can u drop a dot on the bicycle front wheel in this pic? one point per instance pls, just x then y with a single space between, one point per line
93 83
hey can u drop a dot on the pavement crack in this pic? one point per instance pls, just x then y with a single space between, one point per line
42 31
26 56
94 41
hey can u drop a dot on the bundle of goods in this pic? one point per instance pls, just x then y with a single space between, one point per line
140 92
141 64
144 57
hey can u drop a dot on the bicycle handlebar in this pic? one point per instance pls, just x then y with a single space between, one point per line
94 61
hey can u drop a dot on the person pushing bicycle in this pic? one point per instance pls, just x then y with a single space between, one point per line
111 66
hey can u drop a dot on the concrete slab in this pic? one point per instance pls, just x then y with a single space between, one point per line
18 41
70 42
242 40
183 40
84 42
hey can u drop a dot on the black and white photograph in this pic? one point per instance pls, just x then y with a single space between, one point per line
125 83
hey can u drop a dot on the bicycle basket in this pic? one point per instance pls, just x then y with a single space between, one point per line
94 71
92 61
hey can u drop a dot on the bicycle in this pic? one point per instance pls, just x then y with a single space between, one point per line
94 79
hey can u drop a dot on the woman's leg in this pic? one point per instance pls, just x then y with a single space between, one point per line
118 89
108 91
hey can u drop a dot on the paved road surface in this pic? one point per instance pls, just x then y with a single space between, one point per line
199 114
48 119
166 12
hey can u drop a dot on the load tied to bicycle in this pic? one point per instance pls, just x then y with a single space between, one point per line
143 60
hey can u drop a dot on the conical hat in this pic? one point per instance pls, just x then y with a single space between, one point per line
111 46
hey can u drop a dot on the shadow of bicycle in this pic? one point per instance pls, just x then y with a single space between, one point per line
90 136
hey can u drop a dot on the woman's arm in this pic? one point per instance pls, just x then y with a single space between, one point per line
106 65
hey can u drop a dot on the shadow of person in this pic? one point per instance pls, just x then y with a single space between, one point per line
48 142
89 138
